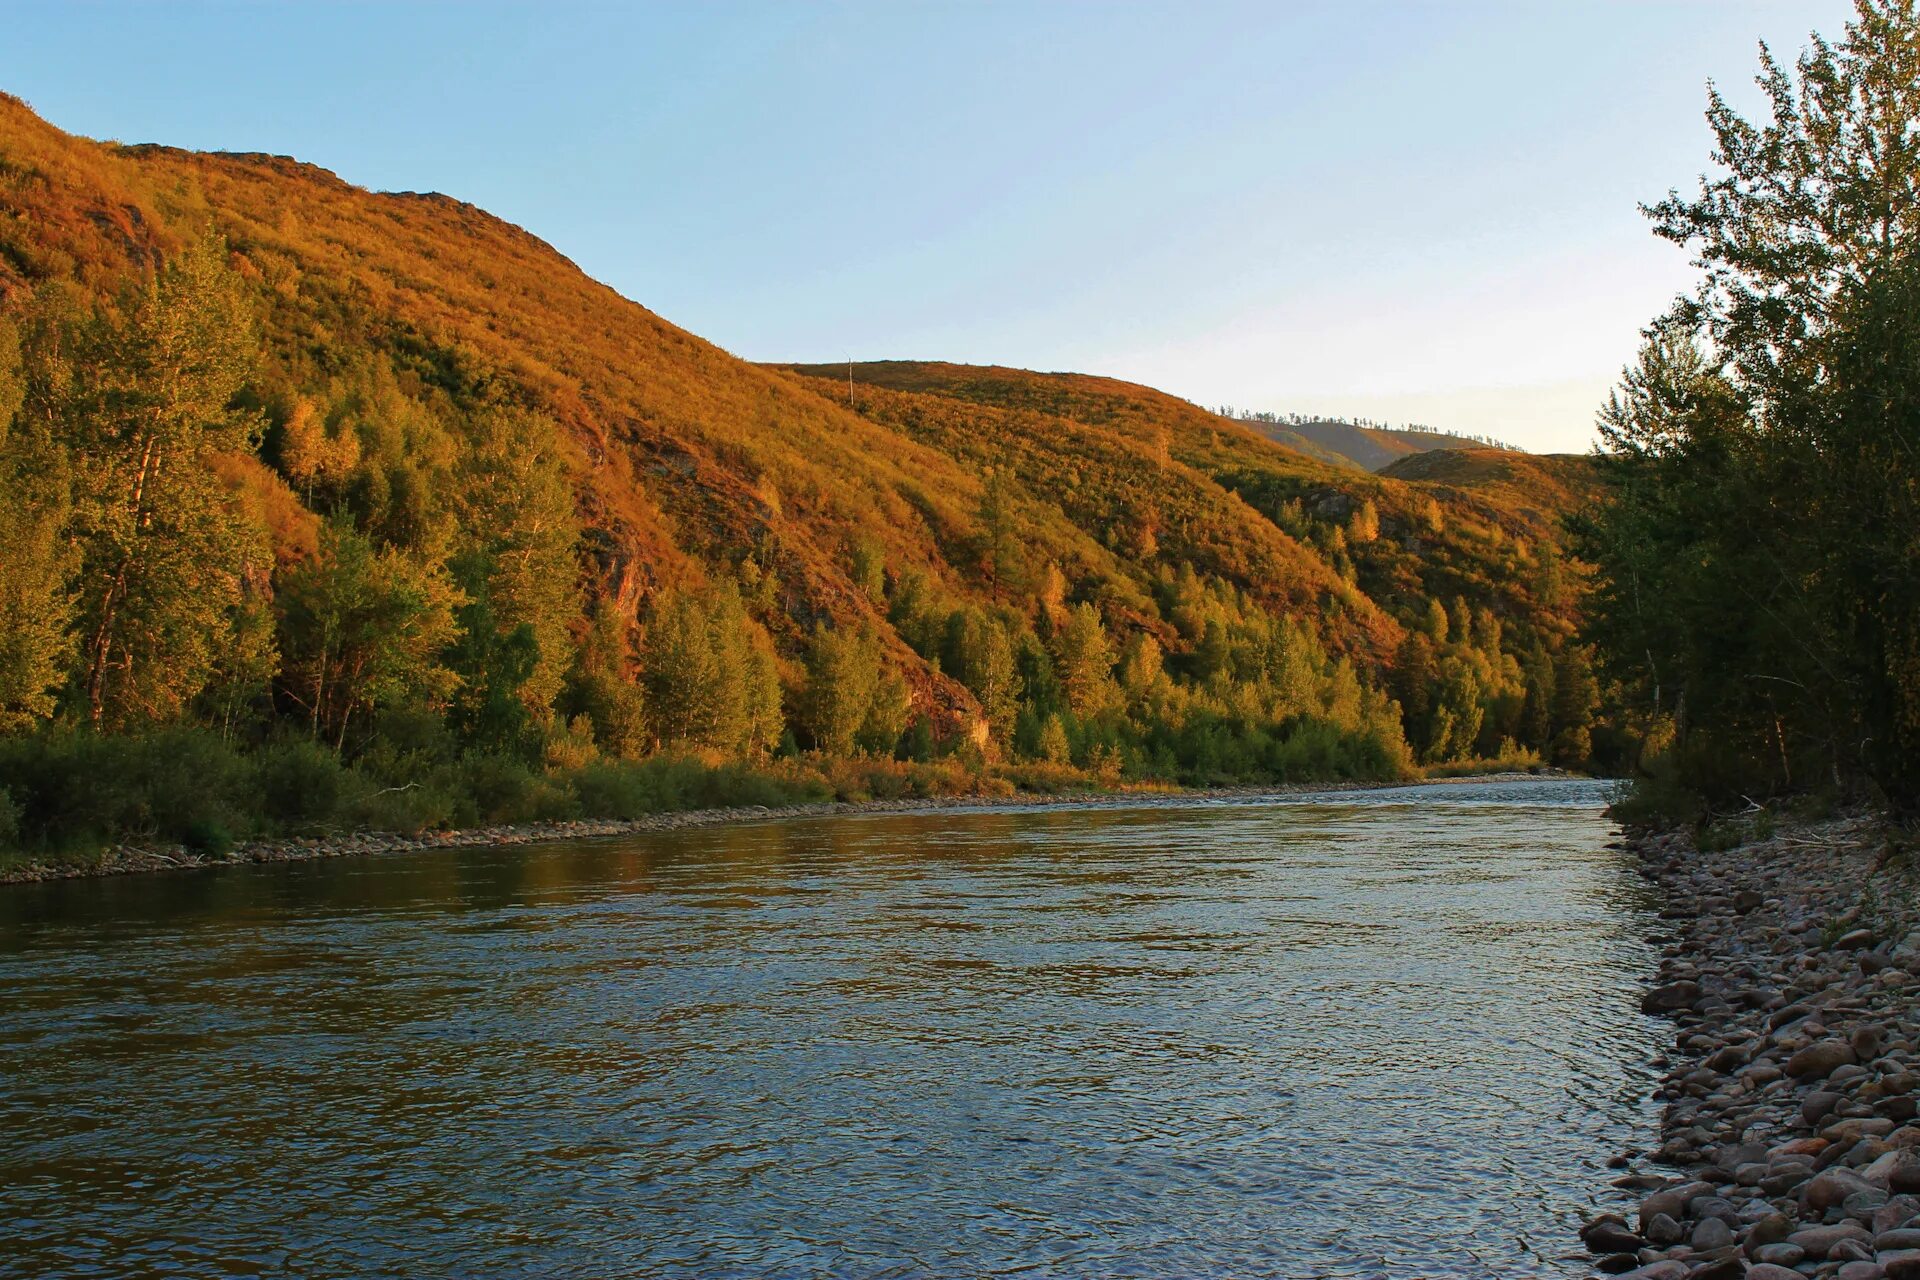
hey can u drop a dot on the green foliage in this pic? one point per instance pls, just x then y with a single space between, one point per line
852 702
978 652
164 555
300 785
1053 746
75 789
36 560
601 686
492 666
515 507
9 820
363 629
709 673
664 784
1757 584
1083 658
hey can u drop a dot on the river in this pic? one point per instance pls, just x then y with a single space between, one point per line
1361 1033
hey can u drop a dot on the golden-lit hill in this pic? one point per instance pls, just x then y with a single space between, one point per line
1487 529
1545 484
691 465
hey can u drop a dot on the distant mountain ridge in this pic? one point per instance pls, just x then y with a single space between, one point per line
1369 446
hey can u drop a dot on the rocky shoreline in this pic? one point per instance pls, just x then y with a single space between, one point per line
129 859
1789 1140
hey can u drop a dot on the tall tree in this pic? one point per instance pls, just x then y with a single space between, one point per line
979 653
517 511
1083 657
36 562
164 550
362 628
601 685
844 680
1755 571
709 673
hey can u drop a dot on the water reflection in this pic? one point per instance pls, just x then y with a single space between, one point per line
1362 1034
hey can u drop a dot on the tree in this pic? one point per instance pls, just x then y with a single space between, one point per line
1142 666
852 702
869 570
1005 558
888 712
709 673
1457 712
363 628
516 509
1083 659
1575 696
1054 746
1364 525
979 653
601 685
1415 680
313 456
493 665
1755 583
36 563
164 552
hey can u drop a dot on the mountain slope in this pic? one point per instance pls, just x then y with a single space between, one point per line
1487 531
398 321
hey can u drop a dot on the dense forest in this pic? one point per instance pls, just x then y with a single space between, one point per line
1757 597
322 509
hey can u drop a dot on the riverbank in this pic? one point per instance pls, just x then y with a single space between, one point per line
129 859
1789 1142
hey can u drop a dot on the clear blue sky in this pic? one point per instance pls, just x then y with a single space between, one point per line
1415 211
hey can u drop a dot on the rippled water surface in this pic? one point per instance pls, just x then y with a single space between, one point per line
1372 1033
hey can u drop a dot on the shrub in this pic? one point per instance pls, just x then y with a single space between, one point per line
500 789
71 789
406 809
1659 798
662 784
301 786
207 836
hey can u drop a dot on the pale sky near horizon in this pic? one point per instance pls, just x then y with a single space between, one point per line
1416 211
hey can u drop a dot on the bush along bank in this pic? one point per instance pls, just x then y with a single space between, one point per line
1789 1142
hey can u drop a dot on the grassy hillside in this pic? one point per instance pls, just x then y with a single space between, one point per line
608 537
1543 487
1487 527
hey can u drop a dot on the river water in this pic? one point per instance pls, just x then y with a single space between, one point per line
1357 1034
